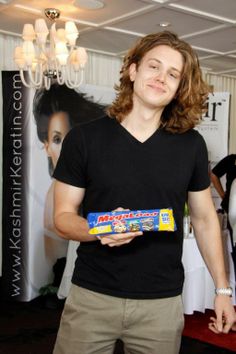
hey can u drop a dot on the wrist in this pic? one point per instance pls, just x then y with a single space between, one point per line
228 291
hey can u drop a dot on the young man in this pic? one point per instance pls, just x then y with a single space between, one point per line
145 155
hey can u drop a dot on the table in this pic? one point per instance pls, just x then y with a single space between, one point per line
199 289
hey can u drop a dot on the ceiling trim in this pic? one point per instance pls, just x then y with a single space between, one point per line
203 13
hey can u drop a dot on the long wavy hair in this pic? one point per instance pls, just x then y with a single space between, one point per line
185 111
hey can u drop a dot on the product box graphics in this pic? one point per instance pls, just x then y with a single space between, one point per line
114 222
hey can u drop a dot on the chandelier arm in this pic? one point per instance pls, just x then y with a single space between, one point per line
60 74
23 79
81 77
47 82
71 49
69 81
29 85
69 85
39 75
36 83
42 48
77 82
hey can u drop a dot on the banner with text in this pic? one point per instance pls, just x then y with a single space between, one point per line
34 126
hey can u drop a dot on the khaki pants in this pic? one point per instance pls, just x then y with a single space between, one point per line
92 322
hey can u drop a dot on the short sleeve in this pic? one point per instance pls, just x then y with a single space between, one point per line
70 168
200 176
222 167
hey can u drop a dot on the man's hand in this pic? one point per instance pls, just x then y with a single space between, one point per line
119 239
213 327
225 315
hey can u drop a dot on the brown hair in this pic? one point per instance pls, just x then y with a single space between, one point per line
186 109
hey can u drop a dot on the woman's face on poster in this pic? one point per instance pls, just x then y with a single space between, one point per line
58 127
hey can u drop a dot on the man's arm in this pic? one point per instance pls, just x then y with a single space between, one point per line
208 236
217 184
68 223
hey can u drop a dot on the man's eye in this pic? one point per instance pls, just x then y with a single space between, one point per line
154 67
173 75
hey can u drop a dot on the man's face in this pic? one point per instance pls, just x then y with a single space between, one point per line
157 78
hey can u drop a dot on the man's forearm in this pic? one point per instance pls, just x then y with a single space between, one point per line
208 236
73 227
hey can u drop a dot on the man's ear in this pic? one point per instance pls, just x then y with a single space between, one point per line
132 72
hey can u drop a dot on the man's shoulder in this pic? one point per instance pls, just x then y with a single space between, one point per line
91 127
190 135
97 123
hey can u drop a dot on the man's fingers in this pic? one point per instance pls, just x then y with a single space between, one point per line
212 327
226 328
120 209
120 237
219 324
118 244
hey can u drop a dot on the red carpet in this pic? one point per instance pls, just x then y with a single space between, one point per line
196 326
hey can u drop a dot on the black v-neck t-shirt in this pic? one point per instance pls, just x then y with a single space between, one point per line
117 170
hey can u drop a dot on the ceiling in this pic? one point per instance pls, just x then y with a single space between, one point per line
208 25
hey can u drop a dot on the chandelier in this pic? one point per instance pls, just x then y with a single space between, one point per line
56 58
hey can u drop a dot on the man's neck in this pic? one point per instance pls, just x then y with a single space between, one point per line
142 123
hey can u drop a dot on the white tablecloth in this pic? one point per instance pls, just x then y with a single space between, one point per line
199 289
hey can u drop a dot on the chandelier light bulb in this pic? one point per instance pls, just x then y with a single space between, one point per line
72 38
28 33
29 52
42 58
41 26
41 30
18 53
74 60
34 65
82 56
61 53
71 28
60 35
19 57
72 32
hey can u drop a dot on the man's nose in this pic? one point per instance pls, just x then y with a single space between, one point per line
161 76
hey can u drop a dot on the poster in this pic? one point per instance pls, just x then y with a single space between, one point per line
215 130
215 125
31 146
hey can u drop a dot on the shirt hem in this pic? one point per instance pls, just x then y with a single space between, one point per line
127 294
